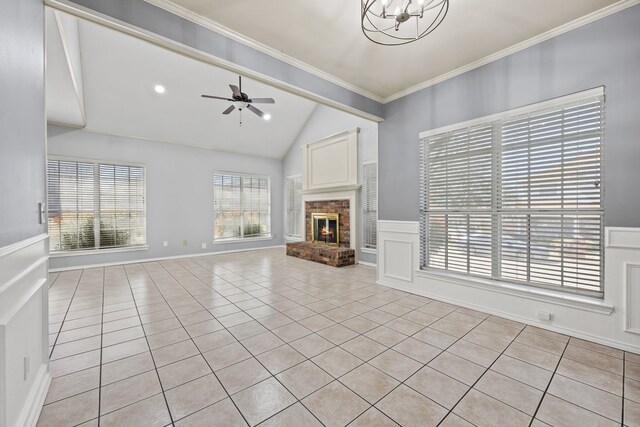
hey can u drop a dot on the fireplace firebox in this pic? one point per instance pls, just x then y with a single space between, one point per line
325 228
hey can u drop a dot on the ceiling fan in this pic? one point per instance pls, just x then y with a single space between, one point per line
241 101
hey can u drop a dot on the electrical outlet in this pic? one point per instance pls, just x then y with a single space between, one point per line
543 315
184 243
204 246
27 363
165 244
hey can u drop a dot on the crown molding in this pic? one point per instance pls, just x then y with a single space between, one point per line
227 32
572 25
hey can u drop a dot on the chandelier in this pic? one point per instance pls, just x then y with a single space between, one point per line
396 22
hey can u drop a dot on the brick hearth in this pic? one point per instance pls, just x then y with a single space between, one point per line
324 254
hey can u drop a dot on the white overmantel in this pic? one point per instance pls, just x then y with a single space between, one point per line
330 172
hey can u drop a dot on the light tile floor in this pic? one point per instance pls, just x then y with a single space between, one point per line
259 338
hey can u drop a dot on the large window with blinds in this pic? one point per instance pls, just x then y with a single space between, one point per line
94 205
242 206
517 197
293 188
369 205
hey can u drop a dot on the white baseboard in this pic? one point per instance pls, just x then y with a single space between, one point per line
522 319
140 260
35 401
368 264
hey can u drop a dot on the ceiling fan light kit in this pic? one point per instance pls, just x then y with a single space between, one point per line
241 101
398 22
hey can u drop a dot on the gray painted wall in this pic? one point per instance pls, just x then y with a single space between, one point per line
22 120
179 191
326 121
159 21
605 52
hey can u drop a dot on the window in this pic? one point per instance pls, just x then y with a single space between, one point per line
518 197
293 186
242 206
369 205
94 205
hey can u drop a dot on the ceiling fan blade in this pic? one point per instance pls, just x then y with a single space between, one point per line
230 109
263 100
235 90
255 110
216 97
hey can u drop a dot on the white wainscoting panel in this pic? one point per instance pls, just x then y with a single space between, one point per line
613 321
23 331
331 162
622 237
397 260
632 297
397 247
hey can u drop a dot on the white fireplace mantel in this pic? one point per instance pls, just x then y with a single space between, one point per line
330 172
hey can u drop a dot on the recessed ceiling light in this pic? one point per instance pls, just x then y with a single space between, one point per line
159 88
267 116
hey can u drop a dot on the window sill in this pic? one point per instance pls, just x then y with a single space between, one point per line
369 251
248 239
61 254
581 302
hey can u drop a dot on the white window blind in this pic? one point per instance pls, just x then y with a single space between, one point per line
294 206
370 205
94 205
518 198
241 206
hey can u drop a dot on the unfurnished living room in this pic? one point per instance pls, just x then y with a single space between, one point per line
341 213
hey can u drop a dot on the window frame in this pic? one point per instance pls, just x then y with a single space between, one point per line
242 175
505 116
96 200
365 249
288 235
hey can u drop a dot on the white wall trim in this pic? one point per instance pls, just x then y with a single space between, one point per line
538 294
74 78
23 330
7 250
261 47
123 27
143 260
522 319
628 298
614 320
622 237
31 412
577 23
367 264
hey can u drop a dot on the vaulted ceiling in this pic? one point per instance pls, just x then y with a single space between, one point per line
326 35
103 81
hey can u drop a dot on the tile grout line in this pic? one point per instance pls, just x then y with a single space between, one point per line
546 390
55 342
388 348
292 291
126 274
252 356
191 339
624 384
365 362
101 338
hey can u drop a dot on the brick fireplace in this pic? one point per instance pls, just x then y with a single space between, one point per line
330 185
